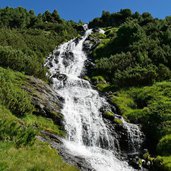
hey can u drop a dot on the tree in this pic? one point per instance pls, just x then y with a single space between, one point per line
55 17
47 17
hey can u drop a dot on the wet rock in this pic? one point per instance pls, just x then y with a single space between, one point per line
49 64
56 60
89 44
77 40
69 55
56 142
122 139
135 162
56 53
46 101
66 62
88 63
60 77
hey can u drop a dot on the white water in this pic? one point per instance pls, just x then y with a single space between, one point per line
87 135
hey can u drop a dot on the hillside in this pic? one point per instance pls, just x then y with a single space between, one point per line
25 42
132 68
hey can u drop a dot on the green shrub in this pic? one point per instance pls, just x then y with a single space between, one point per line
162 163
164 145
19 61
109 115
12 96
15 132
118 121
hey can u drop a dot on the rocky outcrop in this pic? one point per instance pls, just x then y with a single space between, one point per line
46 101
90 43
56 143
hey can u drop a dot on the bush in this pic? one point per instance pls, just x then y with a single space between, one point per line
164 146
18 134
17 60
135 76
12 96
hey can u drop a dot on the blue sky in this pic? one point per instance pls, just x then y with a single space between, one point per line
86 10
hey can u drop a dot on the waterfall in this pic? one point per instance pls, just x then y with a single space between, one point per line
87 134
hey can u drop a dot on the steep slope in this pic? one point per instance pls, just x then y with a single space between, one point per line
132 67
28 106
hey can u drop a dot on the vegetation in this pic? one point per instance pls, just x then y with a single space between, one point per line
19 147
134 60
25 41
39 156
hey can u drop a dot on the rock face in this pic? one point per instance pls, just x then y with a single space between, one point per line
56 143
90 43
46 101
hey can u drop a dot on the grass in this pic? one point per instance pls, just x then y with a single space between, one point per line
19 148
150 106
39 157
43 123
123 101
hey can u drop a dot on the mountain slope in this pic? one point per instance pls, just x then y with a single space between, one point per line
132 66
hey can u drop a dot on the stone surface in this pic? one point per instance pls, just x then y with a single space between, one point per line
46 101
56 142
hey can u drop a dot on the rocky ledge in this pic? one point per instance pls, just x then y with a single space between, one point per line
46 101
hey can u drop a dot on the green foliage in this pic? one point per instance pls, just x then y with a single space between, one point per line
15 132
113 19
118 121
39 156
142 75
164 145
162 163
25 50
139 50
42 123
26 39
149 106
15 18
19 148
108 115
21 18
19 61
11 95
123 102
98 79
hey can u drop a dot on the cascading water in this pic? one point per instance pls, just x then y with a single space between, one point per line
87 135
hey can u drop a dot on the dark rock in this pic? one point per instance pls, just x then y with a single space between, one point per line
135 162
80 28
56 142
66 62
56 60
49 64
96 30
56 53
61 77
45 100
77 40
89 44
122 140
69 55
